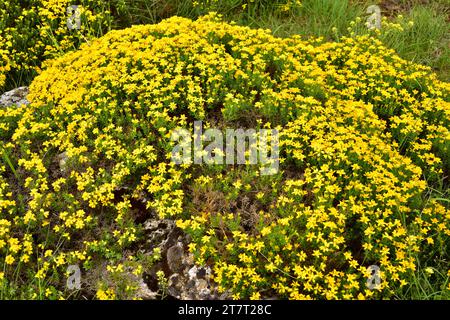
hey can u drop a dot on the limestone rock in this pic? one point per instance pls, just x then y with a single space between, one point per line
17 97
192 282
145 293
160 233
175 257
186 280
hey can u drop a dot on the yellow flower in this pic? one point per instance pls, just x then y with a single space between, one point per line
108 294
255 296
9 259
429 270
48 292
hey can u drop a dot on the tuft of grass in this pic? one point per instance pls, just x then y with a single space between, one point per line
132 12
319 17
7 160
315 18
427 42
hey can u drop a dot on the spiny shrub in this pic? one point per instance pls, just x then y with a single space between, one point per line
361 133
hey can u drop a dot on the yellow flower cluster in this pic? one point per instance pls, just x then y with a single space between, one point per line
33 31
362 134
107 294
4 65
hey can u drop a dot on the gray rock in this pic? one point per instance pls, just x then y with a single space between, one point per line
175 285
145 293
159 233
17 97
186 280
175 258
193 282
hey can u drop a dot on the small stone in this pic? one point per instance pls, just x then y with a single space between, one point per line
17 97
189 259
175 258
192 273
158 233
175 285
202 284
145 293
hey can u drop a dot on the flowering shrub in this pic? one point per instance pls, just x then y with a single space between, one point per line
362 133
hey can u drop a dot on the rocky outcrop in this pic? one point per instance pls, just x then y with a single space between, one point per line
17 97
186 280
